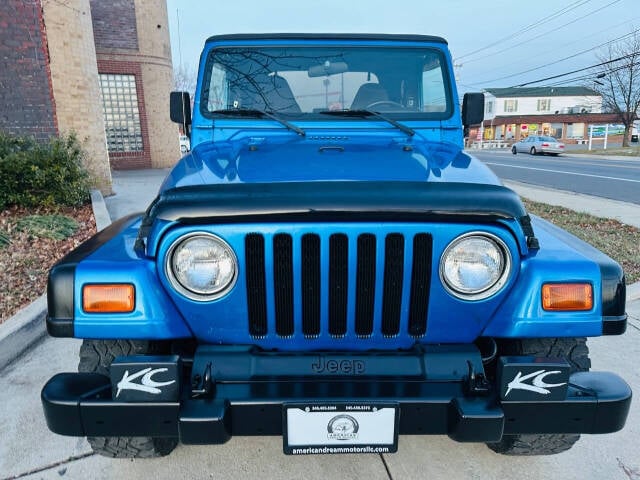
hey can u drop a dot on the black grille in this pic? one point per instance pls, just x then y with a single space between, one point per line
357 269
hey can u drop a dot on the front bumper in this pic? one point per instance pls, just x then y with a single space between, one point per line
435 395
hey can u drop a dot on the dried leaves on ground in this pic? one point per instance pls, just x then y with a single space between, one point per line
26 260
619 241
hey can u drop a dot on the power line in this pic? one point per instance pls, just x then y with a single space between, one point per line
529 27
578 70
544 33
594 76
577 40
560 60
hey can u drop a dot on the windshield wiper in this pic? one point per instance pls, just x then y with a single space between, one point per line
370 113
252 112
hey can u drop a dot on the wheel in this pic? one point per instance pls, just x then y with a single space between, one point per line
96 356
385 102
576 352
513 150
533 151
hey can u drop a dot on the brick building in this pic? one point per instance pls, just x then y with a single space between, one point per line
100 69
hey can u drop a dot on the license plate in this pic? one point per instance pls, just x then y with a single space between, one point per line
340 428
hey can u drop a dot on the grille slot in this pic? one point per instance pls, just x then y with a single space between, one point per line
256 291
365 284
392 295
420 284
311 284
338 283
283 283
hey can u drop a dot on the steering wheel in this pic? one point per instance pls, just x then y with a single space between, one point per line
385 102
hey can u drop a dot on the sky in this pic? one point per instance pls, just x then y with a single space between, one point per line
495 43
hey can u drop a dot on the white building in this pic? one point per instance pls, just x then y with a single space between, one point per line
500 102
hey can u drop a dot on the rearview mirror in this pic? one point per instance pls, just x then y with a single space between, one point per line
472 109
327 68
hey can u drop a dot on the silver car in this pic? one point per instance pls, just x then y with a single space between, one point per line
535 144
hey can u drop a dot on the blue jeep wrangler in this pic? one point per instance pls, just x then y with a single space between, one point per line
328 265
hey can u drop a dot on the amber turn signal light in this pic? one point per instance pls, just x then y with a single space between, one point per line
113 298
567 296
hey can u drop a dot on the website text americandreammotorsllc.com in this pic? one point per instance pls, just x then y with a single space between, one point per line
326 450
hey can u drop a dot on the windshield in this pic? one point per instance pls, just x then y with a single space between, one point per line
302 82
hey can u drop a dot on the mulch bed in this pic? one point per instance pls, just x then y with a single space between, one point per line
25 262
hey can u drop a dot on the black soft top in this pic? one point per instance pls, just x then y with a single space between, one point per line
328 36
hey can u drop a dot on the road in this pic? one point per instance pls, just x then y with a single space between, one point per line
616 179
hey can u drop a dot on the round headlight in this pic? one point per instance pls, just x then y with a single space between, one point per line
201 266
475 266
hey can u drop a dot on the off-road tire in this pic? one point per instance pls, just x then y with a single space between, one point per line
96 356
576 352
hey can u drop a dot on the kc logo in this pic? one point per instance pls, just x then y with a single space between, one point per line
537 385
146 384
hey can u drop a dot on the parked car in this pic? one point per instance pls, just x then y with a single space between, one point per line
333 275
535 144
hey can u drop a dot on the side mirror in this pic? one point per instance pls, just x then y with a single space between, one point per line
180 109
472 109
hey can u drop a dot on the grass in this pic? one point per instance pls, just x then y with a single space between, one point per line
621 242
4 239
626 151
55 227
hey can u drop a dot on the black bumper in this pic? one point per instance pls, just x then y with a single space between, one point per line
437 401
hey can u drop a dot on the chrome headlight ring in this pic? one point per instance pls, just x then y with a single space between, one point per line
483 291
179 280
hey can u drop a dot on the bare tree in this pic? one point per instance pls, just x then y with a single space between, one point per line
184 79
620 85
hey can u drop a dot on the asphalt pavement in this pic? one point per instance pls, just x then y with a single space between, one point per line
28 450
615 178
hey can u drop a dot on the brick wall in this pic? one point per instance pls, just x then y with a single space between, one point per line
26 99
114 24
157 76
76 88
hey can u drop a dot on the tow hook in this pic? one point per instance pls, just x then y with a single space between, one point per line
477 384
202 385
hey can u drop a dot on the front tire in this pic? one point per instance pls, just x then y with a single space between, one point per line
576 352
533 151
96 356
514 150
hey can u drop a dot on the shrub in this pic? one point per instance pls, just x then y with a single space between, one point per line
36 174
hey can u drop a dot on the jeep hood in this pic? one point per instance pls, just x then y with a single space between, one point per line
327 158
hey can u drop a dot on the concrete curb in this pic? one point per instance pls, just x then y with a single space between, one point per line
22 331
633 292
27 327
100 212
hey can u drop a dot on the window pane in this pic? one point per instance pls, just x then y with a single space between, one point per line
121 115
